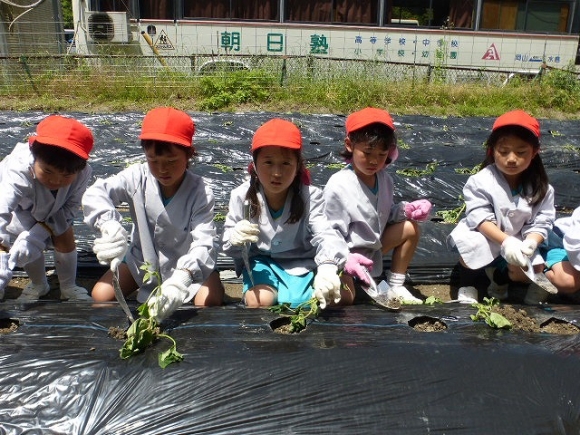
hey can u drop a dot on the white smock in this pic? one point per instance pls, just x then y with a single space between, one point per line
25 201
298 247
488 197
180 235
359 215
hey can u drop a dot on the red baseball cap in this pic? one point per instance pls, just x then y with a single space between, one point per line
367 116
63 132
277 132
520 118
167 124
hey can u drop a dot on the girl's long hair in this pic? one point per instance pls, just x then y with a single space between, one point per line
297 205
534 179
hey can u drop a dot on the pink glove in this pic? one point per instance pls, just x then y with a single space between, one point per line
355 264
418 210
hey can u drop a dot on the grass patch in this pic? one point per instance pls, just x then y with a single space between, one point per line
307 86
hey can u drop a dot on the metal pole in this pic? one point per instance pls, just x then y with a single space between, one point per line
281 4
478 15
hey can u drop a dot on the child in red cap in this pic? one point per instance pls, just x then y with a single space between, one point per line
509 211
360 206
43 182
172 211
294 254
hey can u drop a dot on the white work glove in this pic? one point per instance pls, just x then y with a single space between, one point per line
112 245
5 272
512 250
326 284
174 292
244 232
529 247
28 246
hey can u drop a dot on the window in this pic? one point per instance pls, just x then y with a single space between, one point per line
232 9
430 13
110 5
333 11
530 16
160 9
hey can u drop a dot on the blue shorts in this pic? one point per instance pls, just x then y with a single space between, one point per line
291 289
554 256
552 250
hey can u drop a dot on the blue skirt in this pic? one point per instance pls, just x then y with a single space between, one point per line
291 289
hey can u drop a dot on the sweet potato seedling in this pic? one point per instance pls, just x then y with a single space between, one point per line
145 330
299 315
485 312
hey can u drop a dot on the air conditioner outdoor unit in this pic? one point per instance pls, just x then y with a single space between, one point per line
108 27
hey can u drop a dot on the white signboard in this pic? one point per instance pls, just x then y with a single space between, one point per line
492 50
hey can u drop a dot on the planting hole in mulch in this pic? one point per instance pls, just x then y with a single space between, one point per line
283 325
427 324
559 326
117 333
521 320
8 325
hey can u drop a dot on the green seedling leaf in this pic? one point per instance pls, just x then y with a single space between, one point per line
410 172
300 315
452 216
143 311
496 320
223 168
144 331
281 308
170 356
468 171
485 313
139 337
432 300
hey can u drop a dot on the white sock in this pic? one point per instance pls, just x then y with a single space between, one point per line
396 279
36 272
65 264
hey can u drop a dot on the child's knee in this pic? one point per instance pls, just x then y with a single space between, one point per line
412 230
567 283
102 292
64 242
211 292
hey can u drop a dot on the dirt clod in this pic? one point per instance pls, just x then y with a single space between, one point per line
117 333
557 326
427 324
521 320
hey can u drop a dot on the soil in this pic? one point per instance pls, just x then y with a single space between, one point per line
521 320
282 325
427 324
518 317
117 333
8 325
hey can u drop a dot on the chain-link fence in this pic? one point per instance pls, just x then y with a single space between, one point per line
55 74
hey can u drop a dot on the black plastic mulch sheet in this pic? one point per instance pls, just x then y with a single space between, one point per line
357 370
446 146
360 370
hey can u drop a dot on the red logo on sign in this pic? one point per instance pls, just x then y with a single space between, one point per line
491 53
